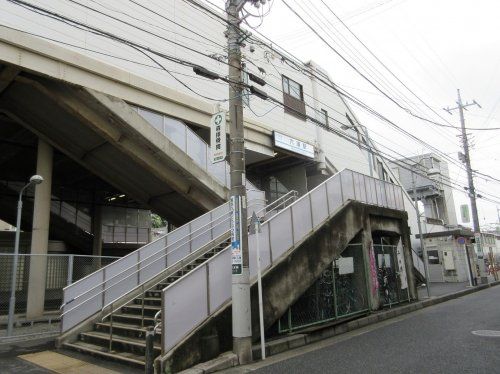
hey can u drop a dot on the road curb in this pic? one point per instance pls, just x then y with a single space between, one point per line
228 360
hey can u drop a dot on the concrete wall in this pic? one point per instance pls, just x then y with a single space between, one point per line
438 272
342 153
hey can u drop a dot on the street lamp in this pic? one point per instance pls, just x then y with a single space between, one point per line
34 180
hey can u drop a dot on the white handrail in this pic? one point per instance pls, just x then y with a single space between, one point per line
283 231
98 285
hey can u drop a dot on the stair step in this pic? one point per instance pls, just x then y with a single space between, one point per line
104 338
148 321
147 299
134 308
97 350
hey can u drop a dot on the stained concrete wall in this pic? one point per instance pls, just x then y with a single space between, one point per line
290 278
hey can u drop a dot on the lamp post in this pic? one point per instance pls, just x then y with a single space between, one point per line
34 180
422 245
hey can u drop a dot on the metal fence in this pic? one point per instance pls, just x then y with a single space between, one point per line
61 271
339 292
389 281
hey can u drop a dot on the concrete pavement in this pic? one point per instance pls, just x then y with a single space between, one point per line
441 288
437 339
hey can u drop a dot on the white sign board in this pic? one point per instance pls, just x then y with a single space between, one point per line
384 260
401 266
218 137
346 265
293 145
236 253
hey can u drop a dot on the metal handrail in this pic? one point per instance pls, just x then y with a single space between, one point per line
145 259
293 195
135 272
162 237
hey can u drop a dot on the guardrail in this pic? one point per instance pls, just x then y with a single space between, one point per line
104 287
189 301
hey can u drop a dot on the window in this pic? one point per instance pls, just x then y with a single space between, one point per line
292 88
323 117
276 189
293 98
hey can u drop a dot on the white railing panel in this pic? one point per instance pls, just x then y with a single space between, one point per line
280 226
153 261
389 191
196 149
153 118
175 131
359 187
201 231
399 195
121 278
347 185
319 205
381 194
334 194
364 188
265 253
418 263
185 306
218 171
219 279
90 304
220 219
302 223
370 183
178 244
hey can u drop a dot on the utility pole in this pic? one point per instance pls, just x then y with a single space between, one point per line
420 235
240 280
472 192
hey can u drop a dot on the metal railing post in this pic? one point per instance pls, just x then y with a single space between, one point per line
110 348
70 270
149 351
142 308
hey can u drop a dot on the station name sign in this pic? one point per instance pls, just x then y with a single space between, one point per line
218 137
293 145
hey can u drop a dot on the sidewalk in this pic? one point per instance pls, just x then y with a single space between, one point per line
441 288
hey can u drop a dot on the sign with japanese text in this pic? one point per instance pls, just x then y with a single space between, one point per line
236 252
218 137
401 266
293 145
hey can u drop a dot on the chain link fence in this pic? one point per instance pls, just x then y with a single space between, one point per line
61 270
389 281
339 292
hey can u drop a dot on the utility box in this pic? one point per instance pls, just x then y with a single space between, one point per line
448 261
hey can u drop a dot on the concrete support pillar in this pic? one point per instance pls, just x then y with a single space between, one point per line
370 266
97 231
406 241
40 233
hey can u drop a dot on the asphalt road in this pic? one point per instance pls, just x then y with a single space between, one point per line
437 339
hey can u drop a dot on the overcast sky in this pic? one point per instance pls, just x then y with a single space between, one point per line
434 47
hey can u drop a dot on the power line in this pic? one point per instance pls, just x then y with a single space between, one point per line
351 65
176 60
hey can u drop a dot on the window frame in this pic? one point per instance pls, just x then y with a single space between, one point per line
287 89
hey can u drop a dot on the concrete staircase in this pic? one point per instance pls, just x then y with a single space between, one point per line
120 336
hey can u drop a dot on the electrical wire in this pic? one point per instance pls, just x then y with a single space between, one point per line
144 49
